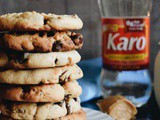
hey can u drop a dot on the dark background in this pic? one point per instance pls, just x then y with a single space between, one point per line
88 11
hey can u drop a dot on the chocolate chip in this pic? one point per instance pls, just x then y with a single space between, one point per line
17 57
21 60
9 55
40 103
60 103
2 34
41 34
24 49
41 83
50 33
3 69
56 60
77 38
45 21
75 99
25 89
32 32
18 33
21 110
68 109
62 81
57 45
8 104
67 98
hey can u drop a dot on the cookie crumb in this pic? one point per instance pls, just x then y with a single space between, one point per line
118 107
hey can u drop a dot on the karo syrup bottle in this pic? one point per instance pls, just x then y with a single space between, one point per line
126 49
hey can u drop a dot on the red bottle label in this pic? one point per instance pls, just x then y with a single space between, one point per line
125 43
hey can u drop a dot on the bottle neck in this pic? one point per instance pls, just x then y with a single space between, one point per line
125 8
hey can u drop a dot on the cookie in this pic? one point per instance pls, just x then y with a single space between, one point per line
72 88
38 60
81 115
41 76
39 111
40 93
33 21
53 41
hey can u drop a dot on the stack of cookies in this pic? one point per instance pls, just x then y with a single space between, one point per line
38 67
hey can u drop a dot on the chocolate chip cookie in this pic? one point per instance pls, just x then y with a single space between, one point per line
33 21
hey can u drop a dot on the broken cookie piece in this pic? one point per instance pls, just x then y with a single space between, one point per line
118 107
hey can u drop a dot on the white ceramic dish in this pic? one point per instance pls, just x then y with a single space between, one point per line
96 115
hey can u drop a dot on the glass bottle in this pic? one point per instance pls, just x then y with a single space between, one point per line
125 49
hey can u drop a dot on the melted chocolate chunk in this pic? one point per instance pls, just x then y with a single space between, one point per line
56 60
40 103
45 21
7 103
32 32
1 34
41 83
18 33
76 38
24 49
25 89
17 56
41 34
21 110
3 69
67 98
75 99
50 33
60 103
57 45
62 82
68 109
21 60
